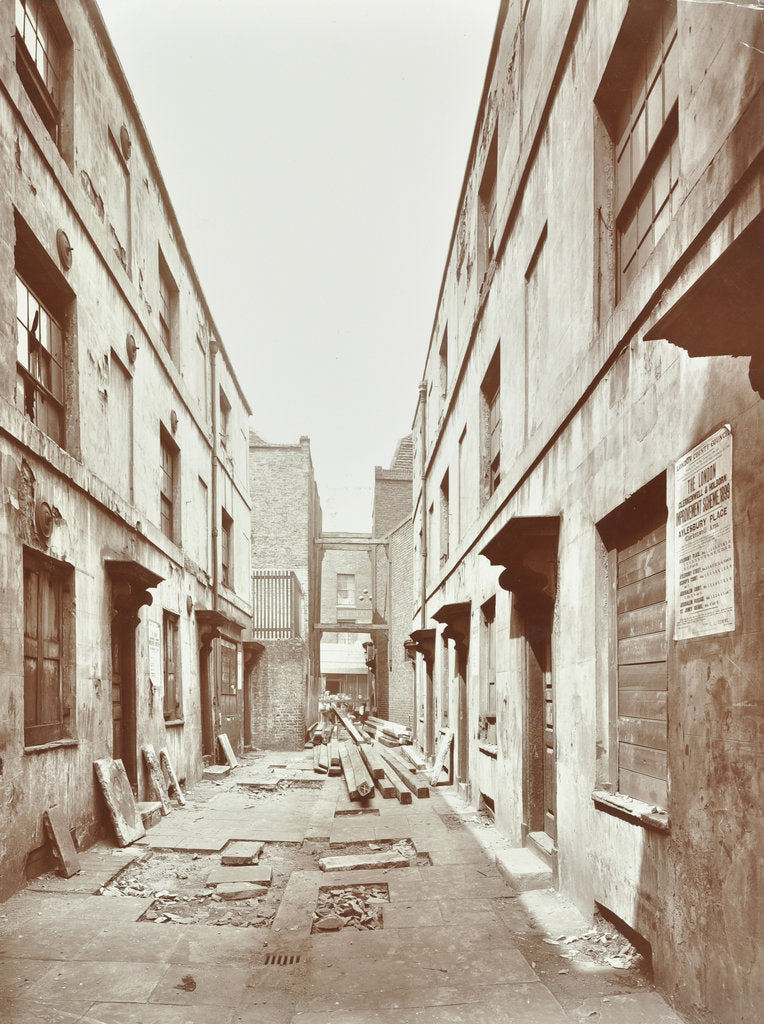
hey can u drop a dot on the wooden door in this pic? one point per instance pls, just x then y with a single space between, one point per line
230 698
463 728
123 696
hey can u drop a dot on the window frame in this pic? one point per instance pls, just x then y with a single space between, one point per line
631 534
171 669
638 101
168 495
351 590
61 576
167 306
51 100
226 549
490 454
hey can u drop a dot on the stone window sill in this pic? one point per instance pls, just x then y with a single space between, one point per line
631 810
53 745
491 749
171 722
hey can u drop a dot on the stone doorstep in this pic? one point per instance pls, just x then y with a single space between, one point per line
257 873
216 771
150 812
523 870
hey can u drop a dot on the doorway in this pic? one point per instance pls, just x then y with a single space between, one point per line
540 760
123 704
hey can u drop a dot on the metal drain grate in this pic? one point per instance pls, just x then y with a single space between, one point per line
281 959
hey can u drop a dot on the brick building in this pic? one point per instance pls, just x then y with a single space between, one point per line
587 557
124 577
347 596
394 598
286 519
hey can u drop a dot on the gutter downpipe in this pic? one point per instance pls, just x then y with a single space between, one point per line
423 674
214 349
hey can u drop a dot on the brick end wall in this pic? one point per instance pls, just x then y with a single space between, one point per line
278 688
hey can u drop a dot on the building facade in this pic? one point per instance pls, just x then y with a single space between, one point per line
393 575
589 437
124 578
286 519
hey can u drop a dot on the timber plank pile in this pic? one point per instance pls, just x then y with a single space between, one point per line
367 768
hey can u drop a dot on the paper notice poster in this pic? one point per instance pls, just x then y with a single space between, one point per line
155 654
704 569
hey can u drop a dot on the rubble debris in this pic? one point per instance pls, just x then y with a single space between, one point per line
57 831
187 983
358 906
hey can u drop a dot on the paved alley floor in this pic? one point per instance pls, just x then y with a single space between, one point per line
138 938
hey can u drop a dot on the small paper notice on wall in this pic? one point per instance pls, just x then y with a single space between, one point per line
704 569
155 655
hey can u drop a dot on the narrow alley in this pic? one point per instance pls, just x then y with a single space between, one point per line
142 935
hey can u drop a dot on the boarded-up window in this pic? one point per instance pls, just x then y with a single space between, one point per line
636 537
47 704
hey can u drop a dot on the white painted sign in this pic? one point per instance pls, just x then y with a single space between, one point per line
155 654
704 567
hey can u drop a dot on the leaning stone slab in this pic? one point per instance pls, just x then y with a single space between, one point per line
240 890
156 776
258 873
241 852
363 861
228 754
173 787
120 801
150 812
63 848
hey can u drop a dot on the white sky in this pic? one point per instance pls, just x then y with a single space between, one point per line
314 151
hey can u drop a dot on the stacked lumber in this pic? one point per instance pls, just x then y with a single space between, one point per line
407 775
390 734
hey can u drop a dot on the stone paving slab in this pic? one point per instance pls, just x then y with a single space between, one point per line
411 914
23 1011
91 980
141 1013
140 941
530 1003
629 1008
215 985
257 873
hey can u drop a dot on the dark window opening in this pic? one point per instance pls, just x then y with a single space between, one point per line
226 554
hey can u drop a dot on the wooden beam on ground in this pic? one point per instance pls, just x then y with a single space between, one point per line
387 789
373 761
391 781
363 780
440 759
420 790
323 758
351 730
347 771
412 754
